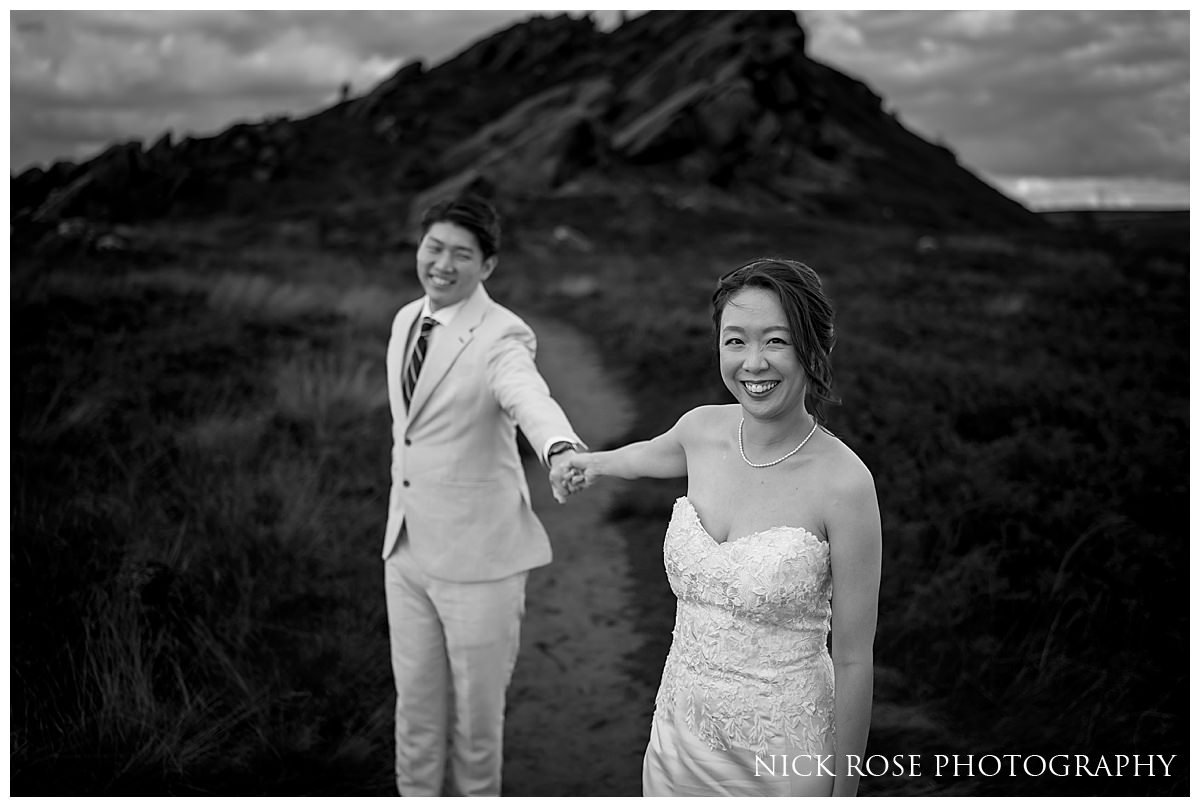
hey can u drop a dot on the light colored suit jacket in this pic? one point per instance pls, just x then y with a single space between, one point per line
457 479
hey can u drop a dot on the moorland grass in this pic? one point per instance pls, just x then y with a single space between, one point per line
195 494
200 471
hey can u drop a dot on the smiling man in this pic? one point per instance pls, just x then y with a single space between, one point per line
461 536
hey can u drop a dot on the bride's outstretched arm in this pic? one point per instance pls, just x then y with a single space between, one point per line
855 547
662 457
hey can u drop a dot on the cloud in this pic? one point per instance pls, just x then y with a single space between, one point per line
1033 93
1081 192
1024 98
83 79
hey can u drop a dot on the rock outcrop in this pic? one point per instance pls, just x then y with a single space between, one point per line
723 104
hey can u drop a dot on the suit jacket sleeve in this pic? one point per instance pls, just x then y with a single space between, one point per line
520 388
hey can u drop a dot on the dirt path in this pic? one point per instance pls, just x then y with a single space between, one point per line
577 721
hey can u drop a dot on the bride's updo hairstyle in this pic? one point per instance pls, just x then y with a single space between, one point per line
809 317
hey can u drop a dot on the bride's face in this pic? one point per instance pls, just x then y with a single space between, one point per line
759 364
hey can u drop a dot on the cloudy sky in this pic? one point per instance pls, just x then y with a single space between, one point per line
1056 108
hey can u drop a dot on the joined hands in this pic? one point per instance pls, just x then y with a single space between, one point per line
569 474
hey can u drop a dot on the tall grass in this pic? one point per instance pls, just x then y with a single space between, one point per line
190 555
199 482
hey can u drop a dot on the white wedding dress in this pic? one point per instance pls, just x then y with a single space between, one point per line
747 688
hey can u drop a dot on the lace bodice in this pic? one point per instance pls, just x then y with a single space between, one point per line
748 665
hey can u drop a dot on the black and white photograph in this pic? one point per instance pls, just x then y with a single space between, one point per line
599 403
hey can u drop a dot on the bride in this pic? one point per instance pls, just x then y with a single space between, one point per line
776 543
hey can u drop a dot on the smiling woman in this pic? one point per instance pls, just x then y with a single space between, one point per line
770 551
796 321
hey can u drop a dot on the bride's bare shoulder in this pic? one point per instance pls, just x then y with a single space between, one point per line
843 468
704 421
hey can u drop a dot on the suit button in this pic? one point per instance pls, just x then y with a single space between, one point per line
407 442
405 483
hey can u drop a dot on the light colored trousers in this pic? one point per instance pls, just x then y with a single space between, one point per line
454 646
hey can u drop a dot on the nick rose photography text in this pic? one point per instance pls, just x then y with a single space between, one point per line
969 765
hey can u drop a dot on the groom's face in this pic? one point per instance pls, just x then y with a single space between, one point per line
450 264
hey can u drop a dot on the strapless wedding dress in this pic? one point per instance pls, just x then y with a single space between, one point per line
747 687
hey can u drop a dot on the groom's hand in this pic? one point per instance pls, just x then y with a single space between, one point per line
565 478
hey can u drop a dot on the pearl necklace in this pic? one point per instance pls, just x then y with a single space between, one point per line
774 462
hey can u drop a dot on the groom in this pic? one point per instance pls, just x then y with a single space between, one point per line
461 536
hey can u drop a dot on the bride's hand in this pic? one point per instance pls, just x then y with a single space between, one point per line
580 472
576 477
567 476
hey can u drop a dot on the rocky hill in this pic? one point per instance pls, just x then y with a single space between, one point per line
712 110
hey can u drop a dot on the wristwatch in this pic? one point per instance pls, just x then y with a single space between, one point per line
559 447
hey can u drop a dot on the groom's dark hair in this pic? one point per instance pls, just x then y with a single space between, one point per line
473 214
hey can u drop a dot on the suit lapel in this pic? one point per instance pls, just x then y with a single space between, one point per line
448 344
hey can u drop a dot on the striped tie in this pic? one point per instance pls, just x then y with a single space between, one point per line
418 358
